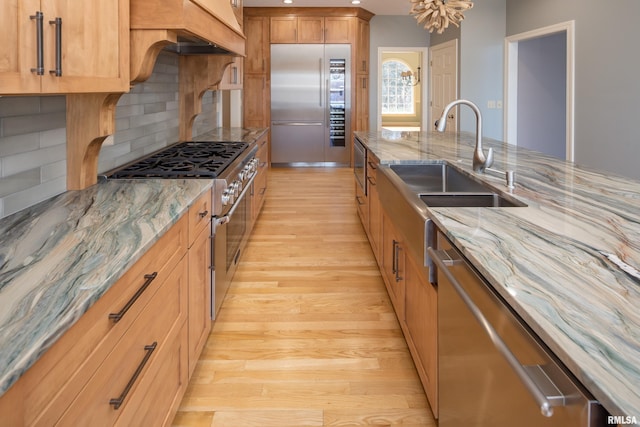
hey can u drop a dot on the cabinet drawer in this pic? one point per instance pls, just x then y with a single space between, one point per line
164 385
199 216
53 382
137 352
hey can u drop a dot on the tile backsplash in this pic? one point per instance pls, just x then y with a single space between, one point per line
33 134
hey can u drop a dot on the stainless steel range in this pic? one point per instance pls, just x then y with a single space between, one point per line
232 167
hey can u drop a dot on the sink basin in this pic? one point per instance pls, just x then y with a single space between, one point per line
436 177
461 200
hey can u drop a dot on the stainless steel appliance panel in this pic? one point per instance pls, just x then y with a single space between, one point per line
310 103
359 164
297 83
493 371
297 142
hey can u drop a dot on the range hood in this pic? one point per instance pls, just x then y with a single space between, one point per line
185 46
186 27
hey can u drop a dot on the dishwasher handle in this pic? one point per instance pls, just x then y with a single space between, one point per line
540 397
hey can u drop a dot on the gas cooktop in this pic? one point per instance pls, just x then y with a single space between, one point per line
202 159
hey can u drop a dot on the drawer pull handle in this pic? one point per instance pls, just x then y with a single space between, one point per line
203 214
116 317
117 402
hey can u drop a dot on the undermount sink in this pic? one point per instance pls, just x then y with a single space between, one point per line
436 177
440 185
462 200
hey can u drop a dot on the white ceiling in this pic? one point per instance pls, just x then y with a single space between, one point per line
378 7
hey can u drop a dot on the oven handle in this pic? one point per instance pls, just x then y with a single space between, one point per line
227 217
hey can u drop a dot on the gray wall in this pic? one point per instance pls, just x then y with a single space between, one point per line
542 88
390 31
607 65
33 135
481 65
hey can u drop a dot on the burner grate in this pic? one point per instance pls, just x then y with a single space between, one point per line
185 160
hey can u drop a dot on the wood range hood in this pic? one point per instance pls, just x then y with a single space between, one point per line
207 36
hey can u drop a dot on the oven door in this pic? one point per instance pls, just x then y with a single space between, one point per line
230 234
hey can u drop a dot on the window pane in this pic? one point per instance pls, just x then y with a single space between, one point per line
397 95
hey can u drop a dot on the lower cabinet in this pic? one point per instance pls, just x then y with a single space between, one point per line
421 320
414 298
393 266
259 189
199 255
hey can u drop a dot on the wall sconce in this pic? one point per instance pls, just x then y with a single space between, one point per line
409 78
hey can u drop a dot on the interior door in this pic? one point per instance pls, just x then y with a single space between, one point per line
444 82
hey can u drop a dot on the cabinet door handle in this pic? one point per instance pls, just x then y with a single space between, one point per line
118 401
364 83
394 264
364 65
116 317
39 70
203 214
58 70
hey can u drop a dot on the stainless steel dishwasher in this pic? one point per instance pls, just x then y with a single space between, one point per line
493 370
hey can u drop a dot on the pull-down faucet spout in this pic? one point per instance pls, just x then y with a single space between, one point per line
480 161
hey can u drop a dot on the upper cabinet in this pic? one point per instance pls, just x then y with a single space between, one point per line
41 51
311 29
362 47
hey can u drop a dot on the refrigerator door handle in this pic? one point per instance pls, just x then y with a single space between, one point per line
328 109
320 74
296 123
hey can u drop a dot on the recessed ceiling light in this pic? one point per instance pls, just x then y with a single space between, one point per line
287 1
355 1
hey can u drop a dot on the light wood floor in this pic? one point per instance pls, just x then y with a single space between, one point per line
306 335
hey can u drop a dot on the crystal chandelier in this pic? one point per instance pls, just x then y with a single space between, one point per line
438 14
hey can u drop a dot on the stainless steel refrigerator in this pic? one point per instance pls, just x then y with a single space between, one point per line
310 104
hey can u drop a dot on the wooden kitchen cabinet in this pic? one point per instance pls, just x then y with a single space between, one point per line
310 29
362 47
256 29
93 48
362 206
145 345
375 210
421 319
260 182
199 320
74 381
337 29
256 101
361 105
393 266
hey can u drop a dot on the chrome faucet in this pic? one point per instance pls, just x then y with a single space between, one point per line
480 161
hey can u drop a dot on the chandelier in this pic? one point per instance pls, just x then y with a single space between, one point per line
438 14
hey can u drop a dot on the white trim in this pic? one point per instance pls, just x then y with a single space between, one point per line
511 82
423 78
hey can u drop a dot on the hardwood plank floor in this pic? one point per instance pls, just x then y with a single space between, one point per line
307 335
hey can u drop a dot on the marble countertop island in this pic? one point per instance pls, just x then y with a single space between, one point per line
568 264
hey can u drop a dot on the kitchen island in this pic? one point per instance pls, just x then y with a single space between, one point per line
567 263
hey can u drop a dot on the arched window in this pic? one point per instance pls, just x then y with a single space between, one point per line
397 96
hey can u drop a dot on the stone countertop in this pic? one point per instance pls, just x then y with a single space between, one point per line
568 263
59 256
